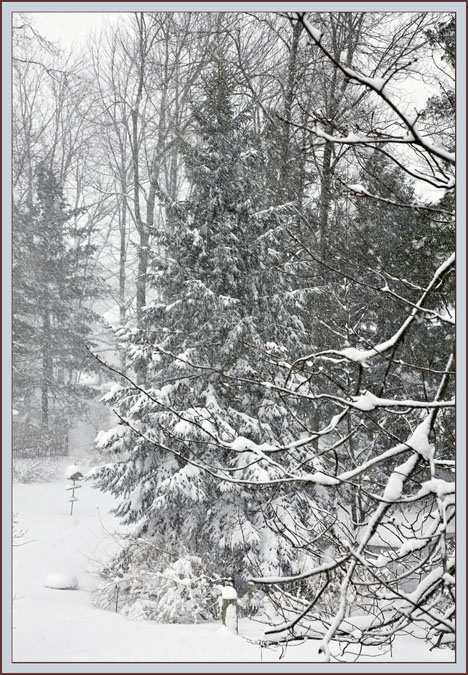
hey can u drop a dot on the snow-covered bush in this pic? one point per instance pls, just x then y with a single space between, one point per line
146 582
255 603
27 470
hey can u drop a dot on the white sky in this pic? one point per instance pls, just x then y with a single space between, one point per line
71 28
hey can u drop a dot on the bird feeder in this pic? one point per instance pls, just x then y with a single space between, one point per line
75 475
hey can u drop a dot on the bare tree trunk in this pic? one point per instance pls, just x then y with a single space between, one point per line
285 187
141 227
46 381
122 270
325 198
344 32
122 263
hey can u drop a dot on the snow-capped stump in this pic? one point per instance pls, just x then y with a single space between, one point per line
230 609
62 581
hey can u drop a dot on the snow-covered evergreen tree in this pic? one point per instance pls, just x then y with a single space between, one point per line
51 320
221 304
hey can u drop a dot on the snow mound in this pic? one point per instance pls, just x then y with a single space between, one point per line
61 581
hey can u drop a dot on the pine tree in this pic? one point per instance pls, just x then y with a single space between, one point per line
222 305
51 322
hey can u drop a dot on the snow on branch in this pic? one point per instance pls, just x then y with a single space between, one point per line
361 191
326 567
377 85
363 355
365 401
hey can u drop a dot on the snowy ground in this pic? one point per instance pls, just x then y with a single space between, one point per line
62 625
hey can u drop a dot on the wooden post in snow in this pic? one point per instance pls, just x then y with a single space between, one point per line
230 608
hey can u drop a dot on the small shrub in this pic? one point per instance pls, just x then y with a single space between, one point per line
145 582
40 470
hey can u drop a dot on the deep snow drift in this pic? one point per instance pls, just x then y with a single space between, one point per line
56 625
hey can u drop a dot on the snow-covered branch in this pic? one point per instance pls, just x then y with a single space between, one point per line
377 85
363 355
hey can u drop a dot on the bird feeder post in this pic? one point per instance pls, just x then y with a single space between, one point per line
74 476
73 499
